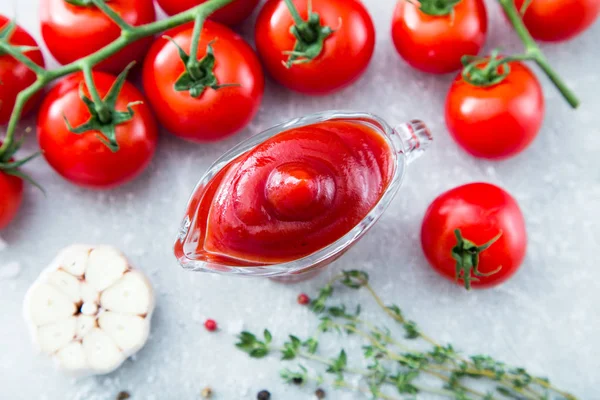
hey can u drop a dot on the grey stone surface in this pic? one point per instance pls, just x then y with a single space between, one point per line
546 318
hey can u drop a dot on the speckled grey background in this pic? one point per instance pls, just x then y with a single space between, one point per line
546 318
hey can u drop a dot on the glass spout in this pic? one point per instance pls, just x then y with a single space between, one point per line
414 137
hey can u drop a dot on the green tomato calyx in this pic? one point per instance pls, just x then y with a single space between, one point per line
466 254
310 36
438 8
104 118
199 75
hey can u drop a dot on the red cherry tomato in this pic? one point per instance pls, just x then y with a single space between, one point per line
216 113
11 197
83 159
558 20
14 76
498 121
435 44
73 32
345 55
232 14
481 212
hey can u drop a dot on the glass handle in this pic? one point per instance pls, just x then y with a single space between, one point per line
415 139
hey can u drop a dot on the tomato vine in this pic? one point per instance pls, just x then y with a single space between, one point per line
310 37
492 70
129 34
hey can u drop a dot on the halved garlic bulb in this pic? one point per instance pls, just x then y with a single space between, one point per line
89 309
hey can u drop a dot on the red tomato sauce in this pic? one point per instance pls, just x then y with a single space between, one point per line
293 194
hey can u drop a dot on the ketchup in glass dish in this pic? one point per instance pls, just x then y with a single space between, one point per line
296 196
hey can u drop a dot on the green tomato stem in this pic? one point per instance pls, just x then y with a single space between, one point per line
533 51
438 8
294 11
103 111
129 34
6 48
192 64
20 101
110 13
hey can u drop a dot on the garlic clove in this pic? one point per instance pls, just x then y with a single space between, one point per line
66 284
56 335
105 266
74 259
72 358
129 332
85 324
89 294
102 353
132 294
45 304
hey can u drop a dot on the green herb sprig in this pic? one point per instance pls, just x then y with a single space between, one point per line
392 364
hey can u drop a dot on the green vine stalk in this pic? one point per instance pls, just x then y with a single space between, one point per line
310 36
534 53
128 35
492 70
393 363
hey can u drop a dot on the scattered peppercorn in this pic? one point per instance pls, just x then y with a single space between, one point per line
303 299
210 325
207 393
123 395
320 393
297 380
263 395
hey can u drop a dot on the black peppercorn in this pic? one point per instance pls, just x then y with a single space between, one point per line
123 395
297 381
320 393
263 395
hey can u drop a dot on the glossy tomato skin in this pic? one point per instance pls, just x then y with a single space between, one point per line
83 159
559 20
73 32
232 14
15 76
480 211
496 122
435 44
346 53
216 113
11 197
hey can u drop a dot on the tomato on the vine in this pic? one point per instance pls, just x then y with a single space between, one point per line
434 39
496 121
224 96
558 20
232 14
14 75
74 31
335 52
11 197
474 234
84 159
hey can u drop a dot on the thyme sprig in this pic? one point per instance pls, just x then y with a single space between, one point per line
393 366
